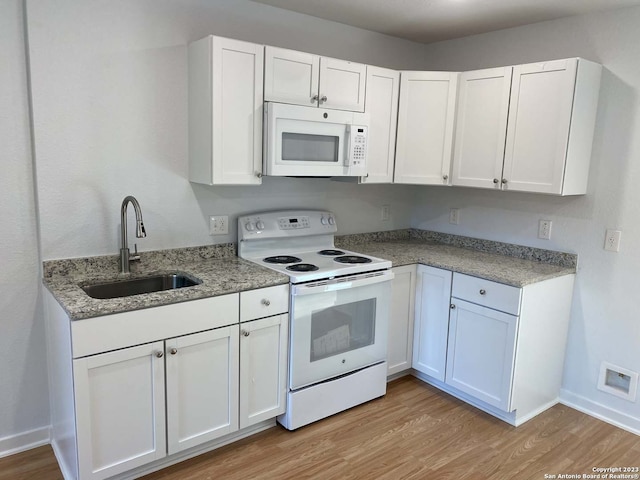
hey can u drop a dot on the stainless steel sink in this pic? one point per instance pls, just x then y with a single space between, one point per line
126 288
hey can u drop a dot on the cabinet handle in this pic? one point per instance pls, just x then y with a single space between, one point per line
265 302
495 180
482 291
173 351
452 306
314 99
445 177
159 354
259 174
323 99
246 333
504 181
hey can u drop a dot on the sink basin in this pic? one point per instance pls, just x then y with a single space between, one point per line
126 288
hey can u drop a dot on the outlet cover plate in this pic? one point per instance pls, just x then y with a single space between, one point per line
219 225
454 216
612 240
544 229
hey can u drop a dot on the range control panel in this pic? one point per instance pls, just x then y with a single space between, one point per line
286 223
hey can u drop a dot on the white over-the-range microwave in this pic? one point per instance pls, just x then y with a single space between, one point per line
314 142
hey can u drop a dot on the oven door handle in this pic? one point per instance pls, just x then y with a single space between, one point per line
341 284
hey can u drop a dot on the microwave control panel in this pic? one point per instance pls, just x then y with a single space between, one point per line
358 150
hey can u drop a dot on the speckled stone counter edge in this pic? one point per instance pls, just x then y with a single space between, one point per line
109 264
562 259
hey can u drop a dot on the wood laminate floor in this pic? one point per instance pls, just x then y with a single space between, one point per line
414 432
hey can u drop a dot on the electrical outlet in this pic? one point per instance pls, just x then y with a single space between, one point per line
612 240
385 213
544 229
454 216
219 225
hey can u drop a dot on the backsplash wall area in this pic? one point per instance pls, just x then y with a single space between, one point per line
604 322
110 112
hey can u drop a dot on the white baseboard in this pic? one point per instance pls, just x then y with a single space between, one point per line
601 412
24 441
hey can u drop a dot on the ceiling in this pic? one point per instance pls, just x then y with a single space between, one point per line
427 21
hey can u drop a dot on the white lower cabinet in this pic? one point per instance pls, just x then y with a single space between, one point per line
481 351
202 387
433 293
263 369
120 410
400 336
498 347
132 388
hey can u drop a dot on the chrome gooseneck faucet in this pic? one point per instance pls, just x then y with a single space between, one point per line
125 257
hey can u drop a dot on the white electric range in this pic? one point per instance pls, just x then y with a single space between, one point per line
339 311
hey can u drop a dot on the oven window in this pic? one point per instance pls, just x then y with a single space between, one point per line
342 328
300 147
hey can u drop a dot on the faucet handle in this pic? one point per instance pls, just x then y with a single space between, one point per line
136 255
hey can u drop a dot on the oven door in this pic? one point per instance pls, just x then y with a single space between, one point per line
338 326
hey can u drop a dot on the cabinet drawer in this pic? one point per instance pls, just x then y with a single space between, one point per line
487 293
264 302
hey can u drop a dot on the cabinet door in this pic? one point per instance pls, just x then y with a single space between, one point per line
481 127
433 295
400 337
225 111
425 127
291 77
263 369
481 352
381 104
202 387
120 410
538 126
342 84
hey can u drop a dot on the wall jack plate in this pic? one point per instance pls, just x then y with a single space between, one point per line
219 225
454 216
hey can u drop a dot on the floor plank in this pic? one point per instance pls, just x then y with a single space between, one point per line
414 432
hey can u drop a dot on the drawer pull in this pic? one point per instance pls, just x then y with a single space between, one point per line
482 291
265 302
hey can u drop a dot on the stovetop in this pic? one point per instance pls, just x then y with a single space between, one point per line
300 243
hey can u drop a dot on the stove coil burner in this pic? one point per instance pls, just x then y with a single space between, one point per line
282 259
330 253
352 259
302 267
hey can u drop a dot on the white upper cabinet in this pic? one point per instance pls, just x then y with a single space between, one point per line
550 128
527 128
481 127
381 104
290 76
225 111
425 127
304 79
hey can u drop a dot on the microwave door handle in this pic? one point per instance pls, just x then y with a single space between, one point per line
310 289
347 136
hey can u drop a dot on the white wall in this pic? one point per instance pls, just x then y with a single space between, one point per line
604 322
110 108
23 373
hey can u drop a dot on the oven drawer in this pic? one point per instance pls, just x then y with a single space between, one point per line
486 293
264 302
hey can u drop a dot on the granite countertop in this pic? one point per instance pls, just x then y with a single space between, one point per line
509 264
221 273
